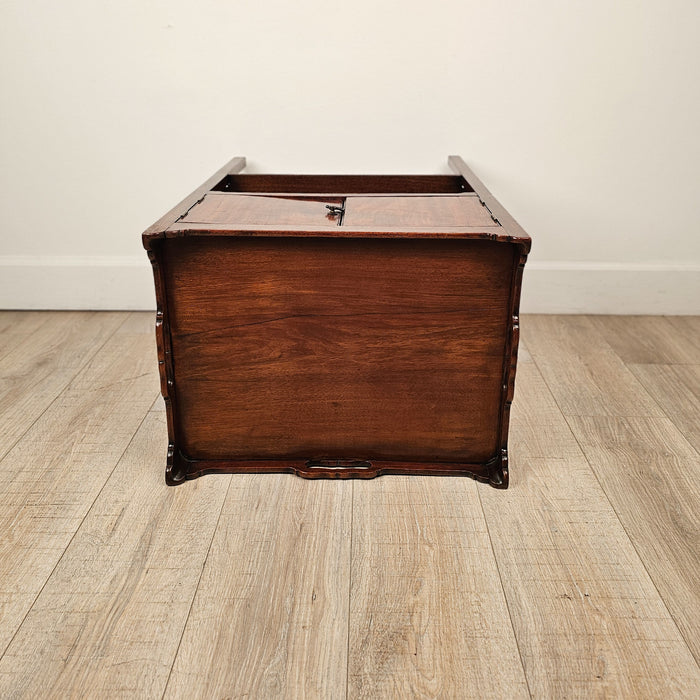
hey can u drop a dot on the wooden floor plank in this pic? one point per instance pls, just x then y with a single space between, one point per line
650 339
52 475
17 326
36 370
428 617
523 354
650 473
109 620
648 470
588 619
688 328
676 388
589 377
270 616
305 594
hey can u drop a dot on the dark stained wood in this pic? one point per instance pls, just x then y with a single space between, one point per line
496 208
517 234
491 233
151 234
344 184
448 211
233 166
294 339
184 468
218 208
334 349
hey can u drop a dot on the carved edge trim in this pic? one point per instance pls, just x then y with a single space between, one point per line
523 243
498 478
183 469
176 470
165 365
150 239
510 364
487 233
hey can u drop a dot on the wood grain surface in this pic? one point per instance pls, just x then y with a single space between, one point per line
428 617
646 466
687 330
579 581
108 621
588 618
585 374
217 208
233 166
39 367
650 474
457 210
271 608
16 326
326 348
676 389
54 472
411 386
650 339
504 217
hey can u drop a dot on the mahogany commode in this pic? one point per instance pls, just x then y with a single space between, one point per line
338 325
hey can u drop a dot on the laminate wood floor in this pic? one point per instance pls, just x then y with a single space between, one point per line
582 580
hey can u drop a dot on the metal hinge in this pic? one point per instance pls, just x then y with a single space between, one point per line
338 211
483 204
182 216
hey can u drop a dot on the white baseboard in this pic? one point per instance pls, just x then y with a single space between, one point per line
561 287
104 282
76 282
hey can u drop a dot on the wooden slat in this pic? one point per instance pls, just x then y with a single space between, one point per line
17 326
344 184
52 475
235 165
651 475
523 353
688 328
109 620
497 209
270 616
588 619
676 388
587 377
34 373
646 467
649 339
494 232
428 617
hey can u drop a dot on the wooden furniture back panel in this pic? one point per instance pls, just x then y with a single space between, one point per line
332 347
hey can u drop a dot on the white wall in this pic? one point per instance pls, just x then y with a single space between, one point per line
581 117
